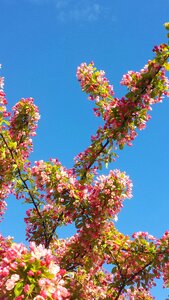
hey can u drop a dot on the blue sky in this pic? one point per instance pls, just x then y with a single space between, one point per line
42 43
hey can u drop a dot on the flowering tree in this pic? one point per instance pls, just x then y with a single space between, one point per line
73 268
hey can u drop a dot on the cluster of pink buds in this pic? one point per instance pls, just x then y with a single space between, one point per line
23 123
93 82
3 101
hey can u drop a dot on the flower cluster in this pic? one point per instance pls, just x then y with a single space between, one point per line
23 123
163 251
5 159
109 192
29 274
62 199
94 82
133 262
138 293
3 102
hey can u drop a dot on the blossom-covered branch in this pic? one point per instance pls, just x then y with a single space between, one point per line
122 116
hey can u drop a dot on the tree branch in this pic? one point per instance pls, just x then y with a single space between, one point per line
131 278
28 190
143 90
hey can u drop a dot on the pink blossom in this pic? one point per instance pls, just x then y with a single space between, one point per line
10 283
30 273
26 288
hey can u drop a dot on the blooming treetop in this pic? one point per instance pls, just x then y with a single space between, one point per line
73 268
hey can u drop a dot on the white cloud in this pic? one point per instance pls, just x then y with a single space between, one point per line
83 13
77 10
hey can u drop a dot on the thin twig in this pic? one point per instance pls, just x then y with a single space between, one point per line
28 190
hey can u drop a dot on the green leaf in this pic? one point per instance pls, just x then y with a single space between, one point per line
4 121
106 165
32 280
121 146
18 288
166 66
166 25
114 270
31 288
3 153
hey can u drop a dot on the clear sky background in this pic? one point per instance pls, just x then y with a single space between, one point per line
42 43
